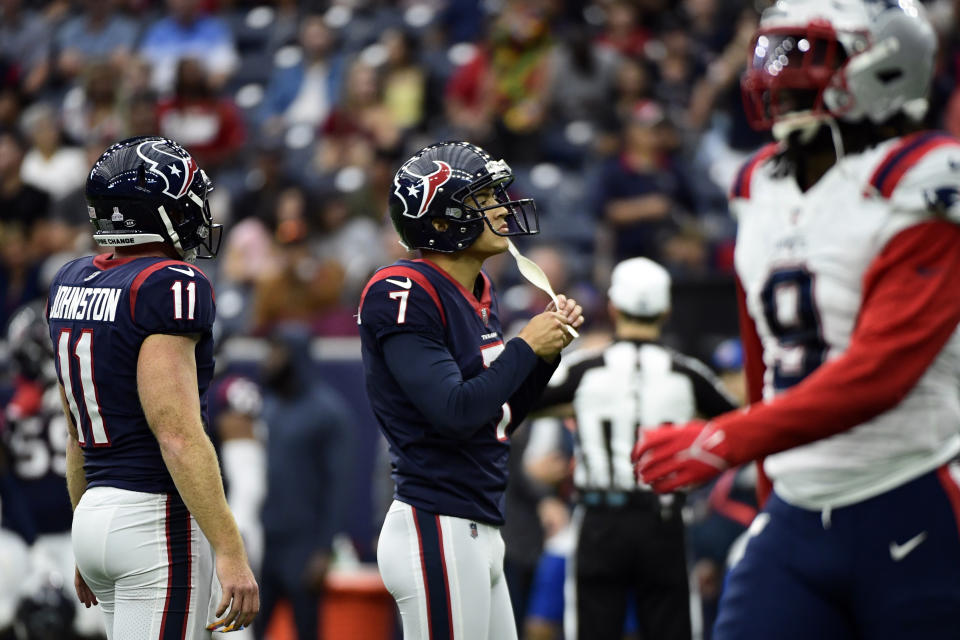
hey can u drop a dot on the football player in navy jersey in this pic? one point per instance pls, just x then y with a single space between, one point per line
447 390
131 333
36 437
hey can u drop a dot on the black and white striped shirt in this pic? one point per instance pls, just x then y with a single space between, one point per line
620 387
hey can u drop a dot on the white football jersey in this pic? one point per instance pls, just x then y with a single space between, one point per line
801 258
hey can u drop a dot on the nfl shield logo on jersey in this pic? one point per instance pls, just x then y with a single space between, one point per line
473 529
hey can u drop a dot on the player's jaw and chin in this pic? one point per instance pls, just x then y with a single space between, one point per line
490 243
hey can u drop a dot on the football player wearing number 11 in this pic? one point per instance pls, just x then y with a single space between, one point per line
133 346
848 256
447 391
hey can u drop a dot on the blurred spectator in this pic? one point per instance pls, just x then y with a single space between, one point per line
142 115
308 462
19 271
306 91
361 125
350 240
186 32
520 45
21 205
97 34
624 33
93 112
631 84
404 82
463 19
247 255
301 286
265 181
51 165
11 101
469 100
210 126
582 78
25 38
638 190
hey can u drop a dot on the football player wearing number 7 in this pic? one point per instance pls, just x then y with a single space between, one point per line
448 391
848 256
154 541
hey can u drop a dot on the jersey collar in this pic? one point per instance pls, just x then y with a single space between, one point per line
481 306
108 261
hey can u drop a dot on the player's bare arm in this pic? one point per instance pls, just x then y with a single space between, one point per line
167 380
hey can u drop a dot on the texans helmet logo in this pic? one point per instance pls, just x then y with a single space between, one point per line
426 188
177 180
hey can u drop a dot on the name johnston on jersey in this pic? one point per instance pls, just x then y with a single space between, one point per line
85 303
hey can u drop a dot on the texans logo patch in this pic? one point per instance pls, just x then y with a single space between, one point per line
177 173
426 187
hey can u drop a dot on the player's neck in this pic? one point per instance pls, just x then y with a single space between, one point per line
636 331
461 266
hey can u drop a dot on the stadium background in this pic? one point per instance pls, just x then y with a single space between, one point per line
621 118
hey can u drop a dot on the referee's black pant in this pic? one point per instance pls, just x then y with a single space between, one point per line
630 545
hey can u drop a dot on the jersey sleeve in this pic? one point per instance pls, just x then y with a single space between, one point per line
175 299
401 304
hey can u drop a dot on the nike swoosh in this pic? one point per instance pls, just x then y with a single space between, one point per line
900 551
403 284
187 272
92 275
953 164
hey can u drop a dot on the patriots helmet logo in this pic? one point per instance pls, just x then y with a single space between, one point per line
175 171
425 188
942 200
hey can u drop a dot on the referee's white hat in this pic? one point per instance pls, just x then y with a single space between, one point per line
640 287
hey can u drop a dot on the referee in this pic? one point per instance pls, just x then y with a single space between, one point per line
629 540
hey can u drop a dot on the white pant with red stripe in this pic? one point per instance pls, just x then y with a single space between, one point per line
148 563
446 575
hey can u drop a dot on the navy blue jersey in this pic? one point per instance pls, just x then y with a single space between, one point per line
100 311
452 466
36 436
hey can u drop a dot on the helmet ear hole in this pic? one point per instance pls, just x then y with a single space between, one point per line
440 224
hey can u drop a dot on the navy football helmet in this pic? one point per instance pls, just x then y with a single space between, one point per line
442 181
29 342
149 189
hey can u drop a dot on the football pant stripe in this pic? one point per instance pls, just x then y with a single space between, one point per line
176 608
949 476
429 537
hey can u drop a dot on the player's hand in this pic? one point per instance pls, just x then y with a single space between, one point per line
570 310
545 334
671 458
84 592
240 594
554 515
315 573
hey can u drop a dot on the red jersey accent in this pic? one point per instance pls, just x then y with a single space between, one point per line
405 272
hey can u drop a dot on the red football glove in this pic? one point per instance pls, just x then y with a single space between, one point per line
671 458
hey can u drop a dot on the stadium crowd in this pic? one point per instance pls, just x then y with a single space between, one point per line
621 118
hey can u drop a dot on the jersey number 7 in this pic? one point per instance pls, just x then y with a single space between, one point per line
83 352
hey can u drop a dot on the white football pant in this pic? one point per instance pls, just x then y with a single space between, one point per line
446 575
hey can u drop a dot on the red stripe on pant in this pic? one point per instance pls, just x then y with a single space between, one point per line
176 607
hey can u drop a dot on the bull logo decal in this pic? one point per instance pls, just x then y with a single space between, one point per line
426 188
177 172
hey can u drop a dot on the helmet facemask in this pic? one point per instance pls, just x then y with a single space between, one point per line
789 70
522 218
